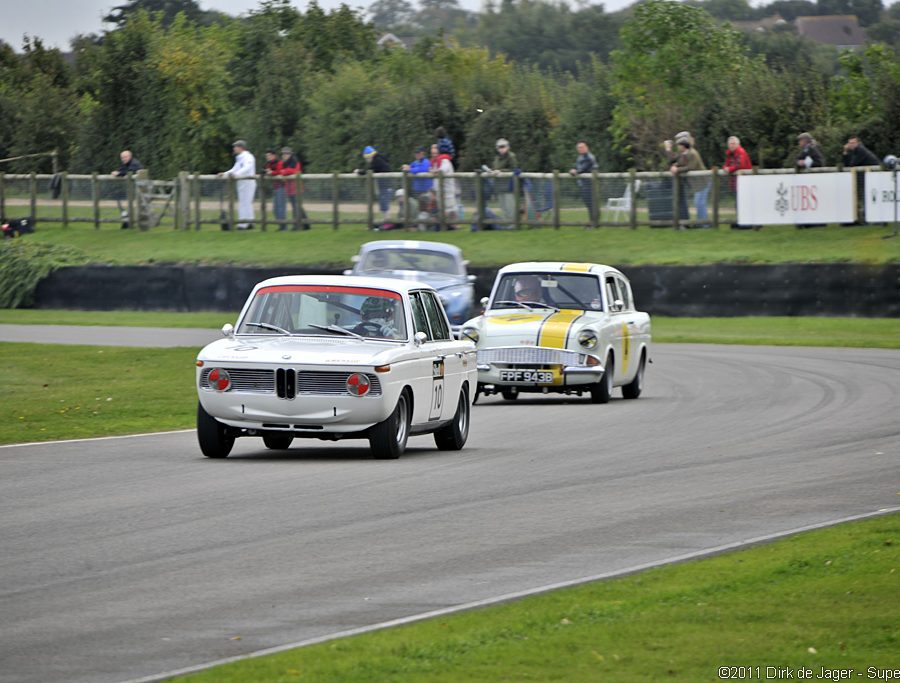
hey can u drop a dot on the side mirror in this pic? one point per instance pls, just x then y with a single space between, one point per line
618 304
484 301
354 258
471 278
348 272
420 338
227 330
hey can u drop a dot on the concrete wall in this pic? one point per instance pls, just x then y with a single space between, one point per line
714 290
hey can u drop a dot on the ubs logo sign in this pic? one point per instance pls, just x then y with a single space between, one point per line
781 204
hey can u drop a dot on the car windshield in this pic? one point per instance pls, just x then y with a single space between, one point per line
422 260
325 310
548 290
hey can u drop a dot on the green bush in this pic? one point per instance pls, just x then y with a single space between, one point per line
24 264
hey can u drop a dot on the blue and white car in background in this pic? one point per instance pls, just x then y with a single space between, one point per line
436 264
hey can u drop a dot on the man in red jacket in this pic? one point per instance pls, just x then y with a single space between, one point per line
736 159
289 165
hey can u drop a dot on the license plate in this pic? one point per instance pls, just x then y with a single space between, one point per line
532 376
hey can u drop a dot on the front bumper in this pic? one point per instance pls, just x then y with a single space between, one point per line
568 368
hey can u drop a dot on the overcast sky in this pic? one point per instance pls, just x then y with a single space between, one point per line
57 21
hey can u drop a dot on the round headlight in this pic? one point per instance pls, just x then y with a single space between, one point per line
470 333
219 379
587 338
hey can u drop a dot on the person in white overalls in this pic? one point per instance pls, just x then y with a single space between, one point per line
245 170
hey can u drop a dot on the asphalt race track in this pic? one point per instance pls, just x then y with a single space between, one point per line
123 558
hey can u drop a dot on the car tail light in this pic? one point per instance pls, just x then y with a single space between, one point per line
219 379
358 384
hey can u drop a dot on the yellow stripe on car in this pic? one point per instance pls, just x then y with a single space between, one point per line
577 267
555 330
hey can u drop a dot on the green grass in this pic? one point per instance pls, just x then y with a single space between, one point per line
323 246
66 392
827 598
784 331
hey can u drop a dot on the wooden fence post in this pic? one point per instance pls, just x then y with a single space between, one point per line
95 199
370 193
715 196
64 193
479 200
232 191
676 205
301 220
2 193
335 201
632 189
517 203
196 189
130 189
407 199
264 216
595 200
442 212
32 190
557 196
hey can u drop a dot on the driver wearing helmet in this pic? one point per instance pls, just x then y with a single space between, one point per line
376 318
528 288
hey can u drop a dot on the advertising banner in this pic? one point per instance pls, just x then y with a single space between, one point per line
881 197
796 199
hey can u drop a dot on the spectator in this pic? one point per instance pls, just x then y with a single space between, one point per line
689 160
420 186
585 162
408 208
271 168
506 161
289 166
857 154
736 159
244 170
445 186
129 165
445 144
810 154
378 163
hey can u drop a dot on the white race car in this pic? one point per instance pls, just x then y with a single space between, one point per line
562 328
336 357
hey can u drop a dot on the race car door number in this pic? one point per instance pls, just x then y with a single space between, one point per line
536 376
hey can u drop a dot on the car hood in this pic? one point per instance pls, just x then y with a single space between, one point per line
549 328
300 350
436 280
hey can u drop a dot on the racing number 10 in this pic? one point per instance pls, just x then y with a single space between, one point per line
437 389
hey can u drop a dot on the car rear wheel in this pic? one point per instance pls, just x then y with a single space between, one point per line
213 436
277 442
388 438
634 388
602 390
453 436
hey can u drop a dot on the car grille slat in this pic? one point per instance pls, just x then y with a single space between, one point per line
247 380
332 383
530 355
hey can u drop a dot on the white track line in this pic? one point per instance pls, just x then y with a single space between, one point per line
507 597
96 438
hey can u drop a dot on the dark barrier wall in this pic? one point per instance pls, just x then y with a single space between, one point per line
703 291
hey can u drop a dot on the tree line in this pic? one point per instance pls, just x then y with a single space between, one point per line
177 85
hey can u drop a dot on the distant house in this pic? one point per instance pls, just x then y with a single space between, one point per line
841 30
761 25
389 40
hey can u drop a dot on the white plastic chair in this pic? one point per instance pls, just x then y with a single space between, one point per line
622 205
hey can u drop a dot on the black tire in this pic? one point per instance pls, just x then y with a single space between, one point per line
509 394
388 438
212 435
278 442
452 437
602 390
634 388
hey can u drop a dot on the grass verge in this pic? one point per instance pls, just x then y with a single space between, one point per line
826 599
784 331
67 392
324 246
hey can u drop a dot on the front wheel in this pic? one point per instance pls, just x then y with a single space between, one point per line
453 436
278 442
388 438
634 388
509 394
213 436
602 390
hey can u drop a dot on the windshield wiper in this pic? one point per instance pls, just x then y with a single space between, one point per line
269 327
337 329
540 304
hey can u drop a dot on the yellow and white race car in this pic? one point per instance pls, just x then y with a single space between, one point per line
561 328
